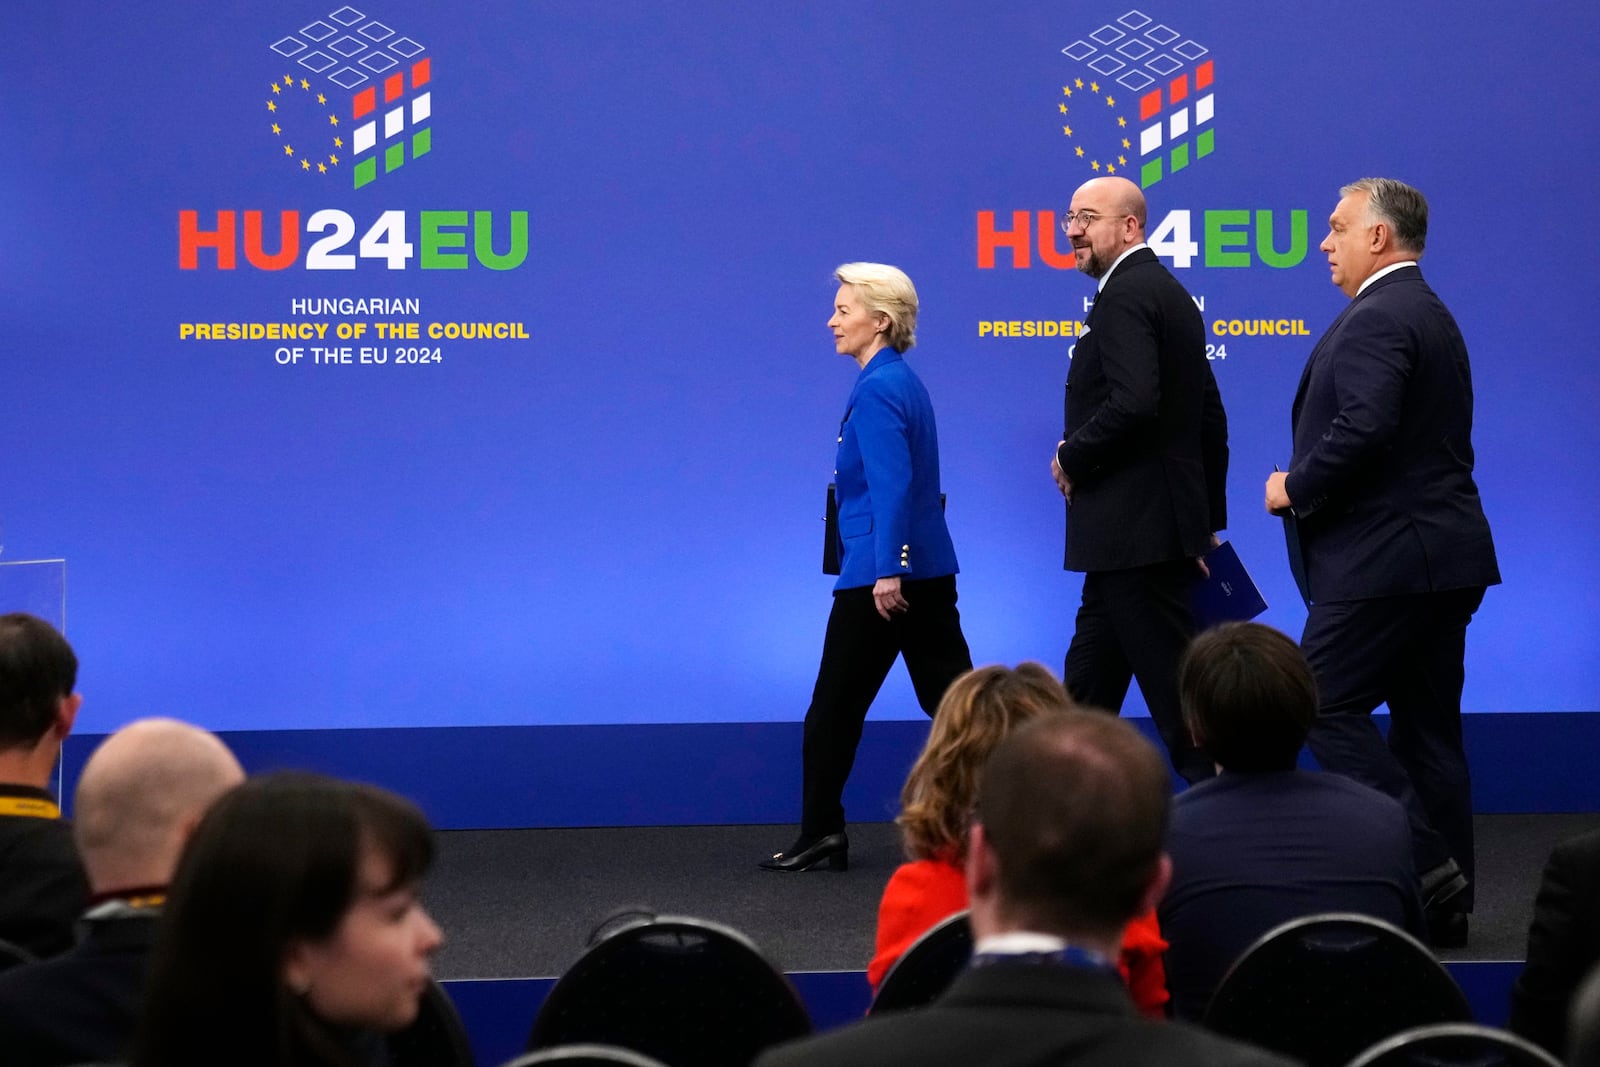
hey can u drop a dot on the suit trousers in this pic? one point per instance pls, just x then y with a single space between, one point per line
857 653
1137 623
1407 652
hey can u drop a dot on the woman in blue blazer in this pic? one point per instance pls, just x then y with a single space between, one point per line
896 593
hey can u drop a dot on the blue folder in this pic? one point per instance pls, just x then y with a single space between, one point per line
1229 595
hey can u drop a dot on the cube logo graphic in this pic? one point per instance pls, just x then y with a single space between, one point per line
352 95
1142 100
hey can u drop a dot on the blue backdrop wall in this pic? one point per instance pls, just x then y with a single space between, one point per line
246 248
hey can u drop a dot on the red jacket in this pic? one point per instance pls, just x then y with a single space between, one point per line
921 893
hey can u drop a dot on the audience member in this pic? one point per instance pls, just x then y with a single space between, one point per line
140 796
42 885
1583 1027
978 710
293 933
1563 942
1264 842
1065 848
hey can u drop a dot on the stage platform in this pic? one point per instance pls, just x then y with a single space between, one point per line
517 907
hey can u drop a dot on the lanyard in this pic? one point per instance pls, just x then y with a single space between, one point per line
35 807
1071 956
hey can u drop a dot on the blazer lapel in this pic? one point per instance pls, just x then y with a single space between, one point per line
1316 354
882 359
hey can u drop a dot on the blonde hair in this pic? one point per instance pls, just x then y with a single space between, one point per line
885 290
979 710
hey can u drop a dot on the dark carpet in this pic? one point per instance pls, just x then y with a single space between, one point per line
521 903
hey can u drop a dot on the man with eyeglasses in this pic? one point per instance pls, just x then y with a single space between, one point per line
1143 465
1387 534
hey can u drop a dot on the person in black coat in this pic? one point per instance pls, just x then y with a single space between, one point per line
1064 849
1143 465
1388 537
140 794
1563 942
42 884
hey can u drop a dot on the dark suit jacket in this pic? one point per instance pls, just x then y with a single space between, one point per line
1019 1015
891 522
1146 441
43 889
1252 851
1381 479
1563 942
80 1007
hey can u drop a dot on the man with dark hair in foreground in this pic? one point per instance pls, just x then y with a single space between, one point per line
1264 842
42 884
1065 850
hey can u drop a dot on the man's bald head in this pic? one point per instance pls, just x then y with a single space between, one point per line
1106 218
141 793
1117 196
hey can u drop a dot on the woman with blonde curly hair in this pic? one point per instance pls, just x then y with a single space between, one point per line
979 710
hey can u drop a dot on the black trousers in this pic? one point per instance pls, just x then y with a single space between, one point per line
857 653
1407 652
1136 623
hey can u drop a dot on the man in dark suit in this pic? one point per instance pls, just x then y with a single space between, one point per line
141 794
1263 842
42 884
1066 849
1563 943
1143 465
1388 536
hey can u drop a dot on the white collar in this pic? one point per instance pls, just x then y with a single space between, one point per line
1017 943
1390 269
1116 263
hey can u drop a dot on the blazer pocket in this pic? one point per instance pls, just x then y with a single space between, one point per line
855 525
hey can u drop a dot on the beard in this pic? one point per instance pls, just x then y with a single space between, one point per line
1089 262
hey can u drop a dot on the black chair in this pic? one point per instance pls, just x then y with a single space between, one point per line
927 968
436 1038
1455 1045
14 956
1326 987
1583 1023
688 992
583 1056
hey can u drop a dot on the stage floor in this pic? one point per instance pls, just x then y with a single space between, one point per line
521 903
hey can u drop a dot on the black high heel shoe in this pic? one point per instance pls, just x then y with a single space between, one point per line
833 850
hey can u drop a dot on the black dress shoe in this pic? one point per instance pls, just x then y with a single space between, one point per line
1442 884
803 855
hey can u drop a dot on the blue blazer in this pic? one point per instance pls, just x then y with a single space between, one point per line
887 480
1381 478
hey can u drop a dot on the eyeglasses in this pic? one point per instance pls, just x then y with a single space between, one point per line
1084 219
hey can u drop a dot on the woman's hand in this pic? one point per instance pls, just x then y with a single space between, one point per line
887 598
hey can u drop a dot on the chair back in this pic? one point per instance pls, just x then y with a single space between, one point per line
927 968
1326 987
1583 1023
13 956
435 1038
1455 1045
583 1056
685 991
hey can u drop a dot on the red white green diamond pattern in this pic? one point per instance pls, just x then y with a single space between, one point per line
1136 66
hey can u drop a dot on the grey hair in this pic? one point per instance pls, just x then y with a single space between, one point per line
1405 209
